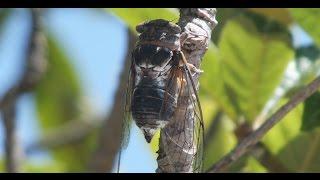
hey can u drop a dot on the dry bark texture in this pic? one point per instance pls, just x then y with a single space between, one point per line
175 153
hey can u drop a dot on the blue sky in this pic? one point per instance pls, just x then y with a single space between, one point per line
96 44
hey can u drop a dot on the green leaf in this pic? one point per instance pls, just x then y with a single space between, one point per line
211 82
301 154
4 14
311 113
308 18
221 143
254 55
223 16
286 130
209 110
302 70
134 16
281 15
297 150
253 165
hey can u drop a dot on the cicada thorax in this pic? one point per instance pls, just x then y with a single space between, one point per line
156 87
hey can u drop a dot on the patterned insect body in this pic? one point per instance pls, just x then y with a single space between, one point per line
155 87
162 88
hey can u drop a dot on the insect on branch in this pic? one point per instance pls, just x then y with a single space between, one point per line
181 141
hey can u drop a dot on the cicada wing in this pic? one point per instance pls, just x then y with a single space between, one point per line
127 119
182 139
127 115
198 125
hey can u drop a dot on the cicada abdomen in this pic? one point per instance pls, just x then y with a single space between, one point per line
156 87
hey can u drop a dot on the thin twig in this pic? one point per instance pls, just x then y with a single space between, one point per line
267 159
12 151
259 151
34 69
252 139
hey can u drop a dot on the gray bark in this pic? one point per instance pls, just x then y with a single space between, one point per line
177 147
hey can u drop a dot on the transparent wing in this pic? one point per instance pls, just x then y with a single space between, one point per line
127 116
198 126
182 139
127 119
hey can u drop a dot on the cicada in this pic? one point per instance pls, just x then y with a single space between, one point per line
159 76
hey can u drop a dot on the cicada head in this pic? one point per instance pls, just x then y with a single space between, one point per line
158 25
161 33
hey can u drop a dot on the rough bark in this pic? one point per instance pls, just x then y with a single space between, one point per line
174 156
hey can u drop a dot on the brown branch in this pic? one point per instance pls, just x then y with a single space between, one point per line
259 151
248 142
267 159
12 151
110 135
197 25
35 67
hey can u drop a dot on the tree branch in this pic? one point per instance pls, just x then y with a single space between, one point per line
174 156
259 151
35 67
12 151
267 159
248 142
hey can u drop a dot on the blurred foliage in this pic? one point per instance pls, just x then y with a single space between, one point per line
220 143
225 14
280 15
284 131
57 100
308 19
4 13
136 16
253 70
311 115
301 154
250 67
